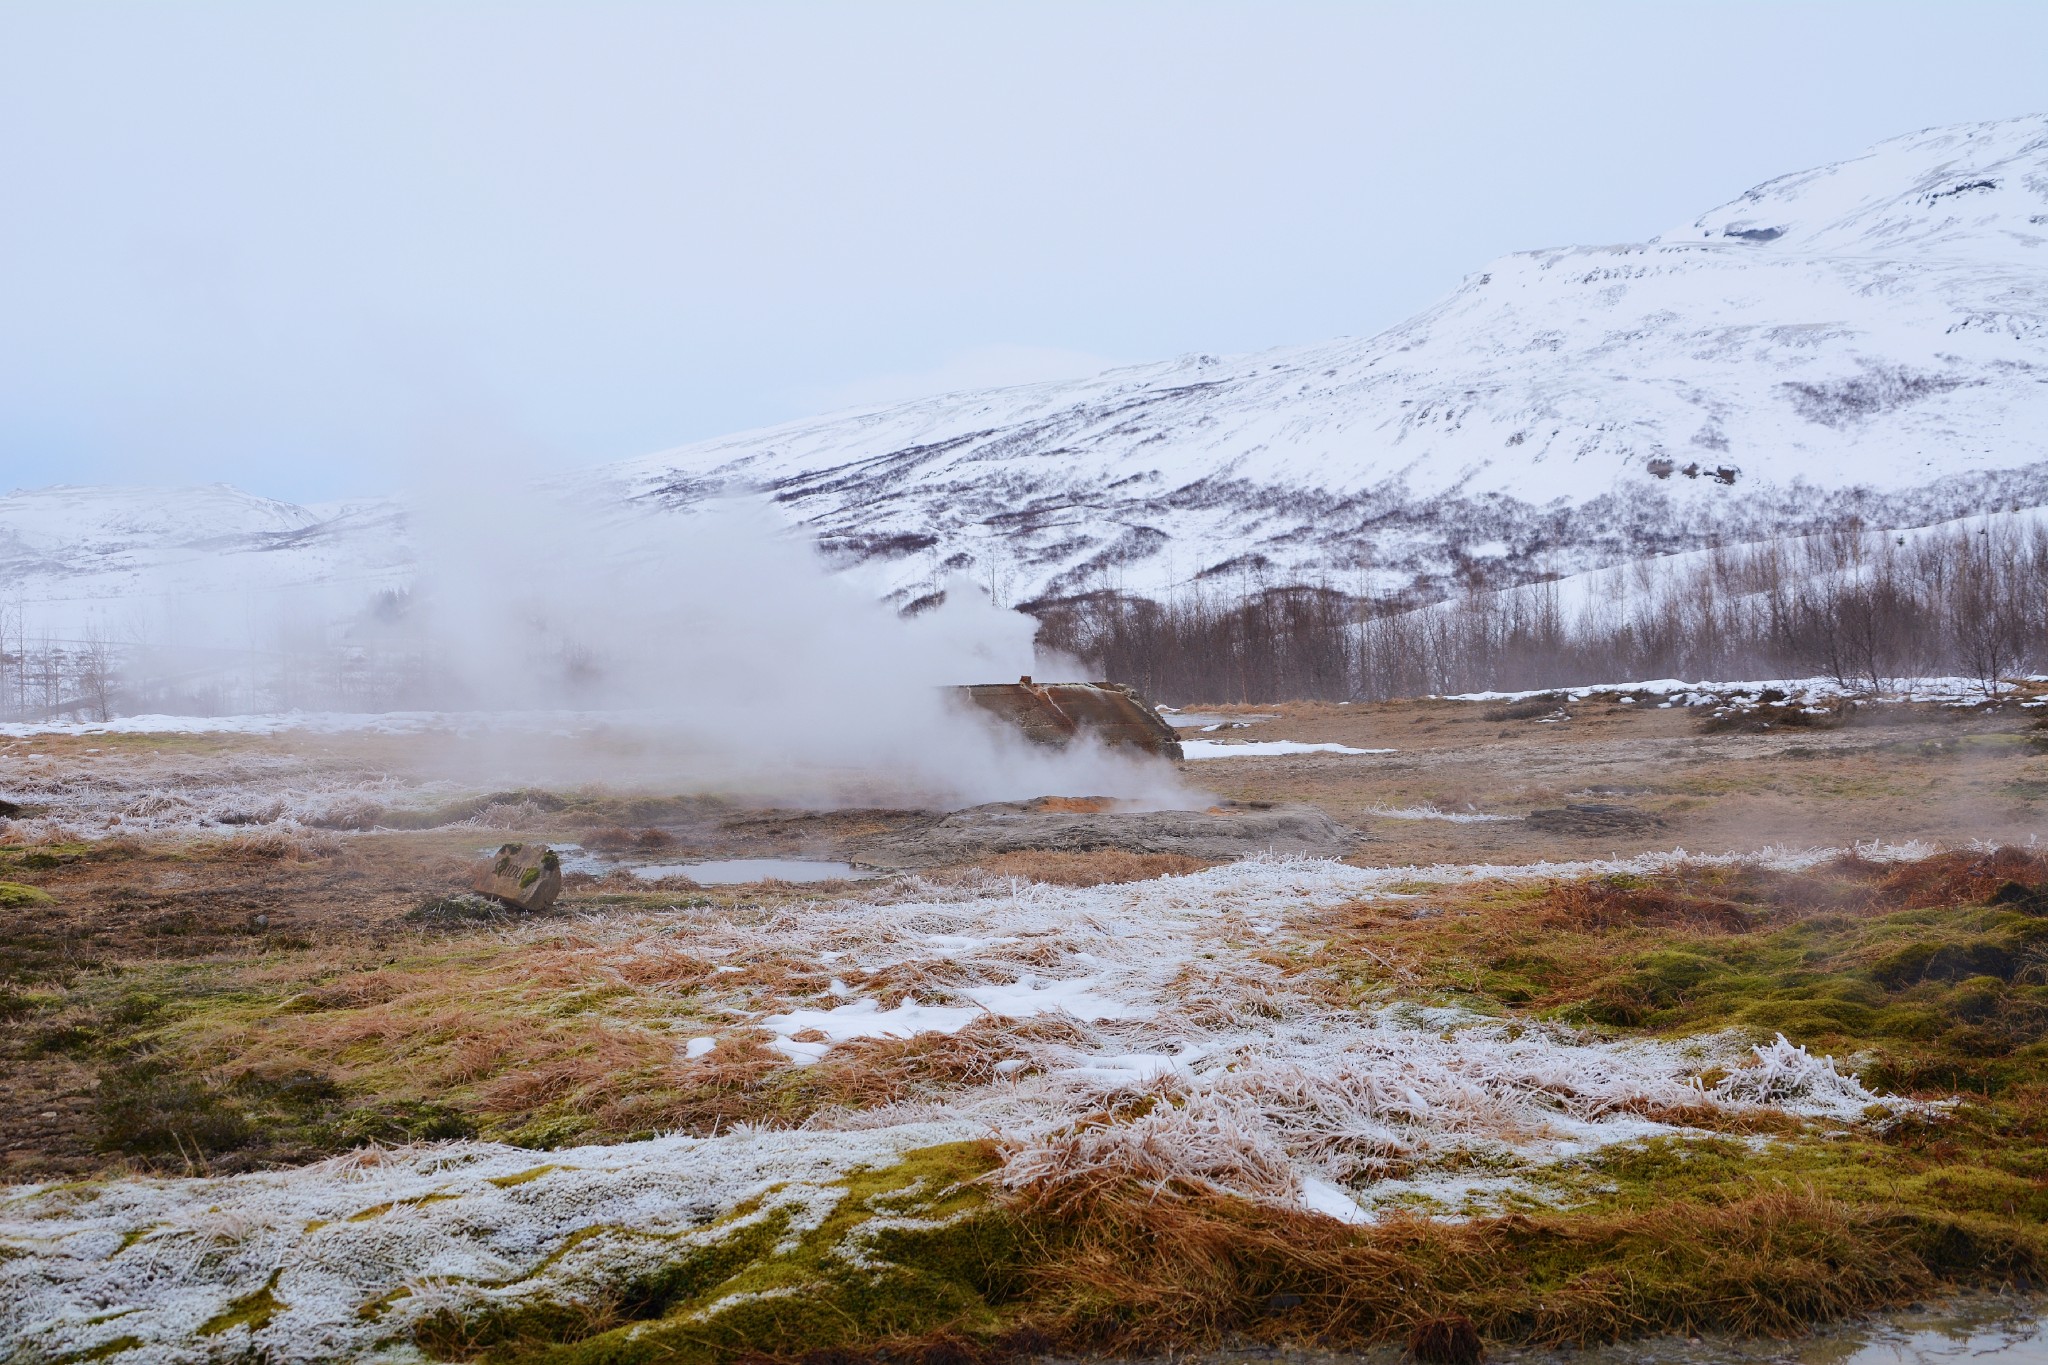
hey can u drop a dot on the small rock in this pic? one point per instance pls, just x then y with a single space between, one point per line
524 876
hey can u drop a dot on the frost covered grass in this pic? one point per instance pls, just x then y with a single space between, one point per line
1291 1097
1430 812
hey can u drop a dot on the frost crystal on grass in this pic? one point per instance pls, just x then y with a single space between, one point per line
1174 1030
1788 1077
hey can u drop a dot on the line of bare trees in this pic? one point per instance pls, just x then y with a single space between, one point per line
1865 608
42 678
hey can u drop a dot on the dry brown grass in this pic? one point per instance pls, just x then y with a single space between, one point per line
586 1072
619 839
869 1072
1098 868
1128 1269
1963 877
1600 905
927 980
285 844
358 990
1074 805
663 966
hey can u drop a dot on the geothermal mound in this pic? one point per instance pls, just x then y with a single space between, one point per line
1068 825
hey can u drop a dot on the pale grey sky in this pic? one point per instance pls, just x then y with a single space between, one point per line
310 248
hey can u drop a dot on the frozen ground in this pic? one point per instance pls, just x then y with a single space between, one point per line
1203 993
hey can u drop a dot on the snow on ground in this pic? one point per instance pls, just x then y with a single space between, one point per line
1193 749
1198 991
1797 691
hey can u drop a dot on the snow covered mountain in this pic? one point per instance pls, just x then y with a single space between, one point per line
1869 338
129 564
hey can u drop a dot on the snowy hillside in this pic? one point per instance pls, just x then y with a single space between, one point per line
1869 338
125 563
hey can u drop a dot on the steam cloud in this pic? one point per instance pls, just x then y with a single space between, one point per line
702 651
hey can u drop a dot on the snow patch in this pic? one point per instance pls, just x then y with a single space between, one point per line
1193 749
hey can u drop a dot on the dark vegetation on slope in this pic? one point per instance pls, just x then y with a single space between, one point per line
1861 608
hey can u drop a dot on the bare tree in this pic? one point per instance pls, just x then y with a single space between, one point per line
93 670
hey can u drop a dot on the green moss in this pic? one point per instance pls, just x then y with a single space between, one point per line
43 857
106 1350
376 1211
1941 998
15 896
547 1133
754 1289
506 1182
253 1310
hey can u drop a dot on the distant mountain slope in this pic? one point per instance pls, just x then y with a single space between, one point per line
131 564
1870 337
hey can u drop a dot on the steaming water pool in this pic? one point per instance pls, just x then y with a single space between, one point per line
731 871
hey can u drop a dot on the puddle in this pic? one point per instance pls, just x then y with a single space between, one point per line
731 871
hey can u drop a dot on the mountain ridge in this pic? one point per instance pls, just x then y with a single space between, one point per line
1638 387
1863 340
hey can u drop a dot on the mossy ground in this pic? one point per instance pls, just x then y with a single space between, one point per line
909 1250
1929 974
1929 978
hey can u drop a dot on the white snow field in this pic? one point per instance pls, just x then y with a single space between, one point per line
1193 749
1865 338
1203 991
1869 336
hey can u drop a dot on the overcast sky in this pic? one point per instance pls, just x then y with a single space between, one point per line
310 249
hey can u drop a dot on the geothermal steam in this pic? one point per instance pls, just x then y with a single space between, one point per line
708 650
